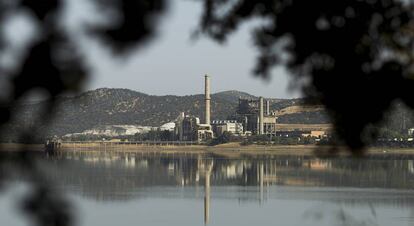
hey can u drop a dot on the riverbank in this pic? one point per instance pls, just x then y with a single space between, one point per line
229 149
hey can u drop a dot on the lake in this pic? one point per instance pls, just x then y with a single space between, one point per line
205 189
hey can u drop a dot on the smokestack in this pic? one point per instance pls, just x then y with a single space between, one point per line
207 98
267 107
261 124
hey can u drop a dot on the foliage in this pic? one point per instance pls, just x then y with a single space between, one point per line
317 117
154 135
226 137
385 133
278 140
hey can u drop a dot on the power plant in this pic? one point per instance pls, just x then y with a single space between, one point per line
189 128
252 117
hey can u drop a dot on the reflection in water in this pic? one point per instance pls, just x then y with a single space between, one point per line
208 168
261 180
113 176
123 177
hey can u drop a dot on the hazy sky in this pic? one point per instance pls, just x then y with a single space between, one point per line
173 63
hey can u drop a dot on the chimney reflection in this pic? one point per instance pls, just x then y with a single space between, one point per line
208 169
261 175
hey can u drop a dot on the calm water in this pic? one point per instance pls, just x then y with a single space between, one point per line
197 190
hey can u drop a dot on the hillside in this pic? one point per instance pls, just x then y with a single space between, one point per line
122 107
232 96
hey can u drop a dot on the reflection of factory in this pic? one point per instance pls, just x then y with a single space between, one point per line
255 118
189 128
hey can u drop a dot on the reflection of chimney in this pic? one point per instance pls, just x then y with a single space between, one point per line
261 179
261 124
207 98
207 193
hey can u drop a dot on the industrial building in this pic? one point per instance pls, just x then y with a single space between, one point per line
256 117
185 127
231 126
189 128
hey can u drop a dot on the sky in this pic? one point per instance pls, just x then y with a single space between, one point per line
173 63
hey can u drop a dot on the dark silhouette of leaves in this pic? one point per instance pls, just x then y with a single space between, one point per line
134 23
47 209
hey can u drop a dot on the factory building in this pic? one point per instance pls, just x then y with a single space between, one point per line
186 127
189 128
204 132
256 117
231 126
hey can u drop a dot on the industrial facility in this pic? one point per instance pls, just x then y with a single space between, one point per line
253 118
189 128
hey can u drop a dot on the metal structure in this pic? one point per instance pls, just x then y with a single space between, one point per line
255 118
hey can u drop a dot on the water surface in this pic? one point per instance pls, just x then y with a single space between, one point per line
147 189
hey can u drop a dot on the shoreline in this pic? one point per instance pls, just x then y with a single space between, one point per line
229 149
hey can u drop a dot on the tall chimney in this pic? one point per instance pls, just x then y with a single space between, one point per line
207 98
267 107
261 124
